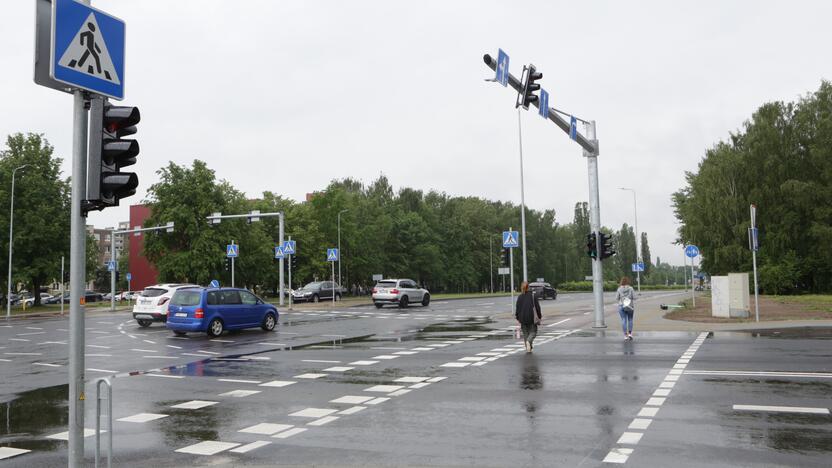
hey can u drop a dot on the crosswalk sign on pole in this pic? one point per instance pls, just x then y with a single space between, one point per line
278 252
232 250
502 68
111 266
543 109
511 239
289 247
332 255
88 47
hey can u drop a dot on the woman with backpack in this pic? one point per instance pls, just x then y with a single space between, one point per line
626 297
527 312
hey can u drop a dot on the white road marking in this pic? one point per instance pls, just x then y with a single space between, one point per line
216 340
648 412
249 447
18 339
384 388
8 452
45 364
320 360
472 359
782 409
97 355
92 369
322 421
338 369
208 447
195 404
558 323
239 381
240 393
419 385
174 347
352 399
640 423
98 346
166 376
309 376
406 353
618 455
421 349
630 438
353 410
208 352
142 417
411 379
455 364
5 360
194 355
289 433
400 392
436 379
814 375
65 435
386 357
31 333
313 412
363 363
143 350
23 354
655 401
266 428
150 342
160 357
34 328
277 383
377 401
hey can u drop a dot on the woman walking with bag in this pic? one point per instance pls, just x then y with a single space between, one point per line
626 296
527 312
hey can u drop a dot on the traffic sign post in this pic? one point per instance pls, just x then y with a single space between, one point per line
510 243
288 250
754 244
692 252
332 257
232 250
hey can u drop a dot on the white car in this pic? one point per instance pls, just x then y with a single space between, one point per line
152 304
402 292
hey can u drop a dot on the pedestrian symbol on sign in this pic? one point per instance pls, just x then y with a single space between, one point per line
88 53
510 239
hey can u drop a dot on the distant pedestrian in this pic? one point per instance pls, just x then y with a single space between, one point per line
626 297
527 312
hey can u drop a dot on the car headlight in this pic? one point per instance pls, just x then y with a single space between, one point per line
307 293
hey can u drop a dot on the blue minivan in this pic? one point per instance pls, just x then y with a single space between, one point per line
214 310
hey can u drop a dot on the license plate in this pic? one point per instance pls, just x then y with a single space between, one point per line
382 291
181 314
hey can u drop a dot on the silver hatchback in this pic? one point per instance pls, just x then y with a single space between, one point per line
402 292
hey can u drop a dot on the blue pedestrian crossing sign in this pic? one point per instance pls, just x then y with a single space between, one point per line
543 109
638 267
573 128
502 68
278 252
129 276
111 265
332 255
232 250
510 239
87 48
215 284
289 247
692 251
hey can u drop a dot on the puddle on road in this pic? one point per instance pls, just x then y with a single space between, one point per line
32 415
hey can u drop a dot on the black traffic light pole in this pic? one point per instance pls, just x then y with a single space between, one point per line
590 146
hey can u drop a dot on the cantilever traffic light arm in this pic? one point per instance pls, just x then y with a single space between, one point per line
588 145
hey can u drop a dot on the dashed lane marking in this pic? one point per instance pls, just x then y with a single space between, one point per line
384 388
240 393
781 409
208 447
166 376
277 383
313 412
65 435
249 447
322 421
194 404
351 399
363 363
386 357
215 340
352 410
266 428
411 379
239 381
142 417
320 360
339 369
45 364
309 376
104 371
289 433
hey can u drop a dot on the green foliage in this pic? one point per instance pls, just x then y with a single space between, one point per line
584 286
782 162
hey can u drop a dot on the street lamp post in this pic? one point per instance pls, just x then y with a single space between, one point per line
11 243
638 250
340 253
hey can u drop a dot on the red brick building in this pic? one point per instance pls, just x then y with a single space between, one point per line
143 273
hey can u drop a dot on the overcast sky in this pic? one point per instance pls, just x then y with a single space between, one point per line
287 95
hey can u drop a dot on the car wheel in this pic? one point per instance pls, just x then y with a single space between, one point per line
269 322
315 298
426 300
403 302
215 327
179 333
144 323
379 305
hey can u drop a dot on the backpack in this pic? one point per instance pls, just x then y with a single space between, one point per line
627 304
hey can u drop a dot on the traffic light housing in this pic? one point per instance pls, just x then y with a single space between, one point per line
530 87
109 153
591 245
607 249
506 257
294 261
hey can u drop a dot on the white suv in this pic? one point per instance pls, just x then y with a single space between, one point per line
399 291
152 304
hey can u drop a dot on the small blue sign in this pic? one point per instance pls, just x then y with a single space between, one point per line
111 265
510 239
638 267
573 128
332 255
87 48
278 252
543 109
129 276
502 68
232 250
215 284
692 251
289 247
755 242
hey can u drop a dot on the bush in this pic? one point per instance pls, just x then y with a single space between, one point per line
586 286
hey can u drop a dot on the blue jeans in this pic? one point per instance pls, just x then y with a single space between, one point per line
626 319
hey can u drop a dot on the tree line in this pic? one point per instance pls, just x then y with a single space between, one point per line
780 161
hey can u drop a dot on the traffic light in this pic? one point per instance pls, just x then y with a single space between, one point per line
506 257
294 261
591 245
530 87
109 153
607 249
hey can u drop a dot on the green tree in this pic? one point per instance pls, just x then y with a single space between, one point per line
645 255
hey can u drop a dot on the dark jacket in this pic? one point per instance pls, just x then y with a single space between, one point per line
527 307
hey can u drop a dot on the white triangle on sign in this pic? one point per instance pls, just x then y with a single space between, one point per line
510 239
88 53
278 252
332 255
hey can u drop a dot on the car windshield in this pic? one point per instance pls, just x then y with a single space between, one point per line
153 292
187 297
314 285
386 284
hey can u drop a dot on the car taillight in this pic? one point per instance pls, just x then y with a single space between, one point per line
164 300
199 313
394 291
375 290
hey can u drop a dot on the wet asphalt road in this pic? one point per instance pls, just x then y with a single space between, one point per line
446 385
